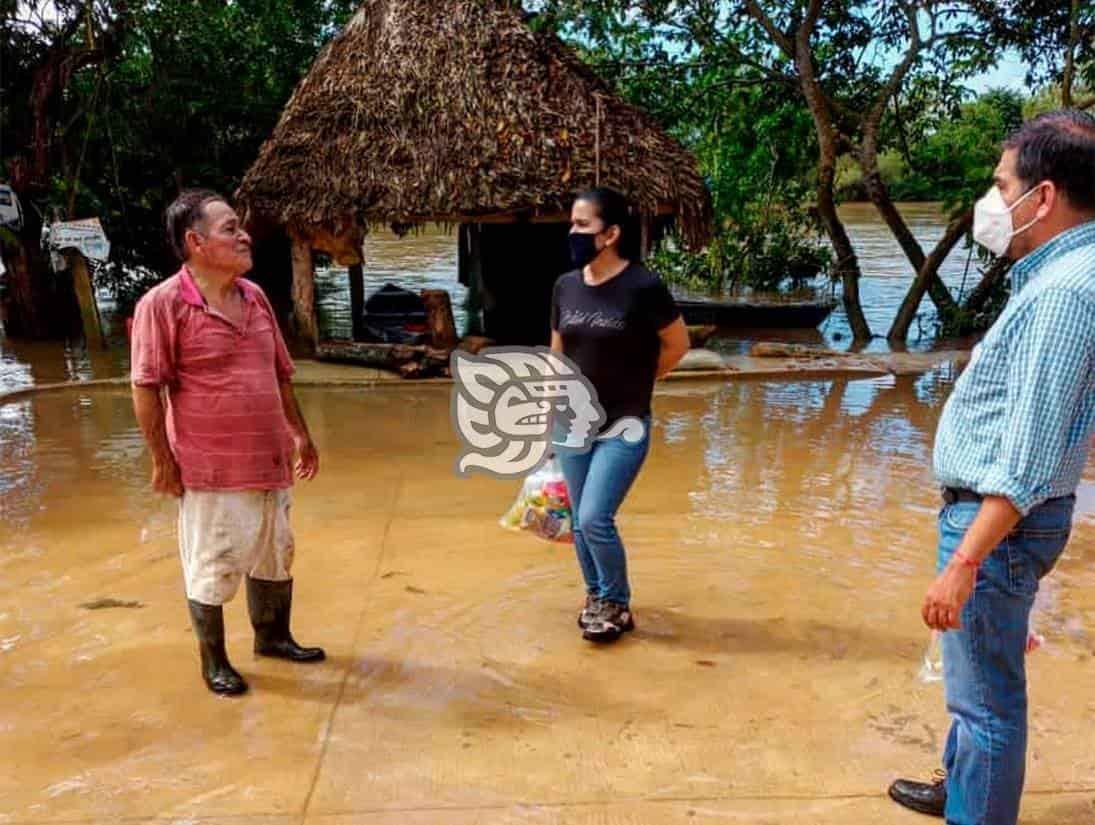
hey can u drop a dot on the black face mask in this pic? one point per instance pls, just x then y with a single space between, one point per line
583 248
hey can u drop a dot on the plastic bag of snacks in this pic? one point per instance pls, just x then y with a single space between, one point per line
542 506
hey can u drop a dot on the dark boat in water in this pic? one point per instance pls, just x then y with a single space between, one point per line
394 315
756 314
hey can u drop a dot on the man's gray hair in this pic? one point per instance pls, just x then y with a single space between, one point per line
1060 147
184 213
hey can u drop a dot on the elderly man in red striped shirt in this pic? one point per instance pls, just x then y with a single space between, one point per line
212 394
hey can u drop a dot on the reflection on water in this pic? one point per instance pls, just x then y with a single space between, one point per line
34 363
776 459
68 446
428 259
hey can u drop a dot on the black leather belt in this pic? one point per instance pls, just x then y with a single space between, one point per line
952 495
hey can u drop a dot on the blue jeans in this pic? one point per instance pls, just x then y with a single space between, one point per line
598 481
984 663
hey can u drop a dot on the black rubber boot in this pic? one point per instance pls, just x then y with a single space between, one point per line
220 677
270 604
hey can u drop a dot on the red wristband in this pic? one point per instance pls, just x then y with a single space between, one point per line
966 560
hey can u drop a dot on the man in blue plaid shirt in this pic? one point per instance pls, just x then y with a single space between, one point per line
1009 453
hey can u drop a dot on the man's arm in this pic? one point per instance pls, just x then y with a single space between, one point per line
307 457
1049 371
149 410
951 589
1046 382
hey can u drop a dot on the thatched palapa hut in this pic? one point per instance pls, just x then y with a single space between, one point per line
456 112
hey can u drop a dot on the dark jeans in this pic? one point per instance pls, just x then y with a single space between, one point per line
984 663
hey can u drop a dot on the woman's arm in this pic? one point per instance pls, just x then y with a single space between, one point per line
674 339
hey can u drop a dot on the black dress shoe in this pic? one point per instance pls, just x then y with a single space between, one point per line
270 604
923 797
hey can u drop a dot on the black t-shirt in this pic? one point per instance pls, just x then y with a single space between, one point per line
611 332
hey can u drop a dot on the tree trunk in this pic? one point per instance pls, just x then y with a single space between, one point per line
983 291
879 194
305 326
36 306
22 318
926 275
935 287
26 301
847 266
357 301
408 359
1070 54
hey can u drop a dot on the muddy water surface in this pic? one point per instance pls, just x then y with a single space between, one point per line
780 539
428 259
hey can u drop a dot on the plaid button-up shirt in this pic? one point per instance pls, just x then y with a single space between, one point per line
1020 419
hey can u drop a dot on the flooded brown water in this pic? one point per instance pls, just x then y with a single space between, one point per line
429 260
780 537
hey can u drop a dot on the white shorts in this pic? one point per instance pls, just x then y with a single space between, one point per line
225 534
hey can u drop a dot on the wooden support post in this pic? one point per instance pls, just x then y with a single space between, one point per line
470 264
85 297
305 326
439 317
647 240
357 301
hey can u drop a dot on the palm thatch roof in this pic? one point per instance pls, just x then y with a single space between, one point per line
456 111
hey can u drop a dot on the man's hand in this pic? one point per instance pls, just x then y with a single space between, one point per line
149 409
166 478
307 464
947 596
307 458
951 590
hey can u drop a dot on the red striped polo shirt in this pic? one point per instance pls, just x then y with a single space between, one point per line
225 422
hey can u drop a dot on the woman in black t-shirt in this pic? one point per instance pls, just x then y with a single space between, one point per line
617 321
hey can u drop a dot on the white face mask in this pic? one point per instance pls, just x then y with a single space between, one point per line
992 225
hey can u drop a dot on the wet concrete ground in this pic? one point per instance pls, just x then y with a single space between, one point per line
780 539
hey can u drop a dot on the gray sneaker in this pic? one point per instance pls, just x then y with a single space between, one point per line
609 623
589 612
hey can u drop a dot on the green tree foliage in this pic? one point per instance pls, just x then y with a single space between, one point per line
754 140
112 106
884 86
1056 39
188 97
953 160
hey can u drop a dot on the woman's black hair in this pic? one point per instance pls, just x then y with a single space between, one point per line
614 210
